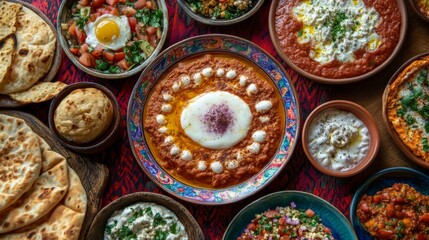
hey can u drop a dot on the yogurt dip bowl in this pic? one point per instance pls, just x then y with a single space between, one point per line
340 138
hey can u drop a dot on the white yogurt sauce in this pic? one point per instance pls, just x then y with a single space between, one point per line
338 139
144 221
336 29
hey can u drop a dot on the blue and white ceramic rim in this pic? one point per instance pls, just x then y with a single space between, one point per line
205 44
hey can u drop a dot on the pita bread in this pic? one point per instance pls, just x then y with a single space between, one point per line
33 55
8 16
20 159
46 192
40 92
6 51
64 221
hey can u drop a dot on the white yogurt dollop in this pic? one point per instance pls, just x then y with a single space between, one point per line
338 139
216 120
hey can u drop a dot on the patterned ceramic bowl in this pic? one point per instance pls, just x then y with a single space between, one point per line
216 43
330 216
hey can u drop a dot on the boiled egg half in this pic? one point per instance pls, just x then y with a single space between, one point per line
110 31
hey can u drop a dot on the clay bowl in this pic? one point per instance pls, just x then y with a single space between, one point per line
64 14
362 114
325 80
415 7
96 231
256 4
99 144
408 152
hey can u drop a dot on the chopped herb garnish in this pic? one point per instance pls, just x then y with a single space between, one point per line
158 220
424 111
148 211
409 102
150 17
300 32
104 66
410 120
425 144
174 229
337 29
133 54
161 235
401 112
125 233
109 227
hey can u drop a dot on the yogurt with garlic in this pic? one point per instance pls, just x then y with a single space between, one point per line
143 221
338 140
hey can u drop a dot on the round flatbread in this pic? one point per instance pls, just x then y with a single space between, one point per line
39 92
33 56
20 159
8 16
7 47
46 192
63 222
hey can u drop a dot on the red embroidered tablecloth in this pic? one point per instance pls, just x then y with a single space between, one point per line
125 174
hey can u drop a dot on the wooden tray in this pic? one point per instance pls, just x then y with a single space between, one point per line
92 175
5 100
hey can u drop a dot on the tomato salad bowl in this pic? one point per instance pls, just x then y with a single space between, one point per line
112 39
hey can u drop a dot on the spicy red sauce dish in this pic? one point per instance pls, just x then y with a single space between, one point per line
396 212
336 39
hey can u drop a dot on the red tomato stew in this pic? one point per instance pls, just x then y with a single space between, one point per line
113 36
286 223
397 212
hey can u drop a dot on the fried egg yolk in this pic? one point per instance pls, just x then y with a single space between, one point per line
107 31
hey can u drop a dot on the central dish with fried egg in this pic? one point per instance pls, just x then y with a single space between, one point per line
113 36
214 120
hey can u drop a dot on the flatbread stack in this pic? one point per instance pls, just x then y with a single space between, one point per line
41 197
27 49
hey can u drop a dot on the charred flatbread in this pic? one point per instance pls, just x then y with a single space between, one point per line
40 92
7 47
46 192
33 55
20 159
63 222
8 16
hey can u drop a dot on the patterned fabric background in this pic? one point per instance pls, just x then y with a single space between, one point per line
127 177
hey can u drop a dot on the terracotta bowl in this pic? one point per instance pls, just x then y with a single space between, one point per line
362 114
98 225
256 4
64 14
289 62
417 10
409 153
99 144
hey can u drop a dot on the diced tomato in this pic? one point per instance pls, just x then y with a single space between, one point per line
123 64
150 5
84 48
309 212
80 35
140 4
384 234
97 52
377 199
72 29
284 237
84 2
421 236
97 3
281 230
128 11
327 230
94 16
87 60
109 56
119 56
114 11
282 221
425 218
251 227
133 22
151 30
75 51
122 1
153 40
271 213
112 2
390 210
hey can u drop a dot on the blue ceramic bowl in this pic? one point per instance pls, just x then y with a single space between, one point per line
331 217
383 179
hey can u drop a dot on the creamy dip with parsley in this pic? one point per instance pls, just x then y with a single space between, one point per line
338 139
144 221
